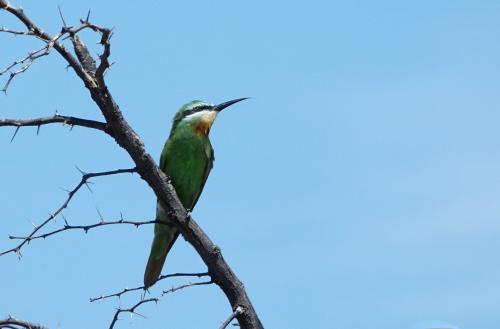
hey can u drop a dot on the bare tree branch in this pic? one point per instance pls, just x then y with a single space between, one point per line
157 299
166 276
27 61
56 118
51 42
184 286
104 65
84 180
144 301
130 310
84 228
237 311
15 32
13 323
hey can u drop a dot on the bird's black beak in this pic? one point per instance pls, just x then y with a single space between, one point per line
222 106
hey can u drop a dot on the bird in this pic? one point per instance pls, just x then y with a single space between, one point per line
187 159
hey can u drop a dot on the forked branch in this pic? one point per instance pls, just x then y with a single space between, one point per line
163 277
132 309
84 180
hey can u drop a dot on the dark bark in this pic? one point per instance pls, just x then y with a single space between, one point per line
13 323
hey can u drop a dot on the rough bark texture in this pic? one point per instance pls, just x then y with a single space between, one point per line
13 323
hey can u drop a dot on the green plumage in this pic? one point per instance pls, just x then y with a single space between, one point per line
187 159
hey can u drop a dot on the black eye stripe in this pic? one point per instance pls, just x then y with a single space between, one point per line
196 109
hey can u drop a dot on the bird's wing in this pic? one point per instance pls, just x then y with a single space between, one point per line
163 157
209 152
209 165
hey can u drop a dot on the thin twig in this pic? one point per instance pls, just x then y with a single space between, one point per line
130 310
173 289
56 118
84 228
29 59
15 32
126 290
237 311
187 285
83 181
53 42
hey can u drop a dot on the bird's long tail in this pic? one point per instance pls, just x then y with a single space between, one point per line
162 242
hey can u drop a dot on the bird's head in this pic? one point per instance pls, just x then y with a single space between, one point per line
200 115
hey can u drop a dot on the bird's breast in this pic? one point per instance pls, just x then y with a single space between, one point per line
202 128
203 125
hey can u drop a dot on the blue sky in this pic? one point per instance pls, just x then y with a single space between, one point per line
358 188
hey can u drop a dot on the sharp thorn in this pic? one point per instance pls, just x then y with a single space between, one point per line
81 171
100 215
61 15
15 133
88 187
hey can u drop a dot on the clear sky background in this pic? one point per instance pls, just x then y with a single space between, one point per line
359 188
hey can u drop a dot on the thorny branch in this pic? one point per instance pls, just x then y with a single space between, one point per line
84 228
106 36
163 277
118 128
53 42
130 310
84 180
26 62
184 286
12 323
56 118
157 299
87 61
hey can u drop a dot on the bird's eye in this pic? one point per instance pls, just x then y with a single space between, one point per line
196 109
202 108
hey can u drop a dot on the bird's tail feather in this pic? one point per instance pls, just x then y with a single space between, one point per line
162 243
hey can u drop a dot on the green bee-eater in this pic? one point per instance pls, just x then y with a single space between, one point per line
187 159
